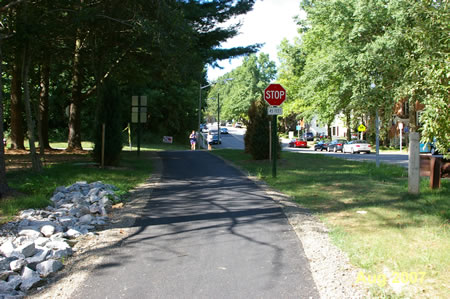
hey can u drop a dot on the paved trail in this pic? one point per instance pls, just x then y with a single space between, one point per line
208 232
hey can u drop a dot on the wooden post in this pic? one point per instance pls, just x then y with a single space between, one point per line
129 136
435 172
103 145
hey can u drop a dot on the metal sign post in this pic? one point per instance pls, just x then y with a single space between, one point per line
275 95
274 146
270 140
139 115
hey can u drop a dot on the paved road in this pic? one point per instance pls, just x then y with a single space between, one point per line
208 232
235 140
389 158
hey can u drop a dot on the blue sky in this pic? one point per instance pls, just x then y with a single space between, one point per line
269 22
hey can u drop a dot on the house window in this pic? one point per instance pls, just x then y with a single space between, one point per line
334 131
406 108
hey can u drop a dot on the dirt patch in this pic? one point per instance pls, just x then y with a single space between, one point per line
20 159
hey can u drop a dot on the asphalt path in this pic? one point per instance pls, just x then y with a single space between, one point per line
207 232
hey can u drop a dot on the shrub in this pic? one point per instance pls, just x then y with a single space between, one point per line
257 135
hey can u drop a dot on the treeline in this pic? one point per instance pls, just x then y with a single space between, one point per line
55 56
354 58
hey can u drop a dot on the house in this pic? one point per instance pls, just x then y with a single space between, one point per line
401 119
338 128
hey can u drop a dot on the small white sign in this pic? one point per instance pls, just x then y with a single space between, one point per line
274 110
167 139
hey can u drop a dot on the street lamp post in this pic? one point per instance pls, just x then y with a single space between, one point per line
218 108
218 119
200 107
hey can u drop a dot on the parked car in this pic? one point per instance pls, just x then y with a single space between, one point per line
336 145
223 131
357 146
203 128
238 125
430 147
298 143
229 124
309 136
321 145
214 139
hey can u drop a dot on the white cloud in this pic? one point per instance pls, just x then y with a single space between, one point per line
269 22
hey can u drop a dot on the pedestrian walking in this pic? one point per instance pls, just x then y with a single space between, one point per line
193 140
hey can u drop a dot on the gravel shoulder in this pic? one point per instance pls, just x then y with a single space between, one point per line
332 272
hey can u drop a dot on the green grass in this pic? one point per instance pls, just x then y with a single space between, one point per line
145 146
87 145
37 188
400 232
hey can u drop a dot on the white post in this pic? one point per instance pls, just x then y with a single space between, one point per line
414 164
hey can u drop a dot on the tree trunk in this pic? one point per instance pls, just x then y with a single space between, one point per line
26 66
74 140
349 130
43 105
17 135
412 115
3 183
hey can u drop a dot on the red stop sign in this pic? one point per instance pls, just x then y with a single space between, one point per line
275 94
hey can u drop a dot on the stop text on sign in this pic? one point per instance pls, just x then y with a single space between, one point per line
275 94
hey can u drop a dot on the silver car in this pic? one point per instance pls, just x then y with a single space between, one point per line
357 146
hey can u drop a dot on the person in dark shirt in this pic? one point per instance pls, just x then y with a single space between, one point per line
193 140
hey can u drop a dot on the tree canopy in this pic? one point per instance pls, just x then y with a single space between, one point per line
358 57
247 85
157 48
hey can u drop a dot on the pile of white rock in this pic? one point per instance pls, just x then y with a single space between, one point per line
33 246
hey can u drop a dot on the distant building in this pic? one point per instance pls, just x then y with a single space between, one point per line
338 128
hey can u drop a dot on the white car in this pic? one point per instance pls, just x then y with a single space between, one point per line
357 146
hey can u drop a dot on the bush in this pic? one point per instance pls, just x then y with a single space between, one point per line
108 113
257 135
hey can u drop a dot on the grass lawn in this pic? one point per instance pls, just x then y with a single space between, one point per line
372 217
35 189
